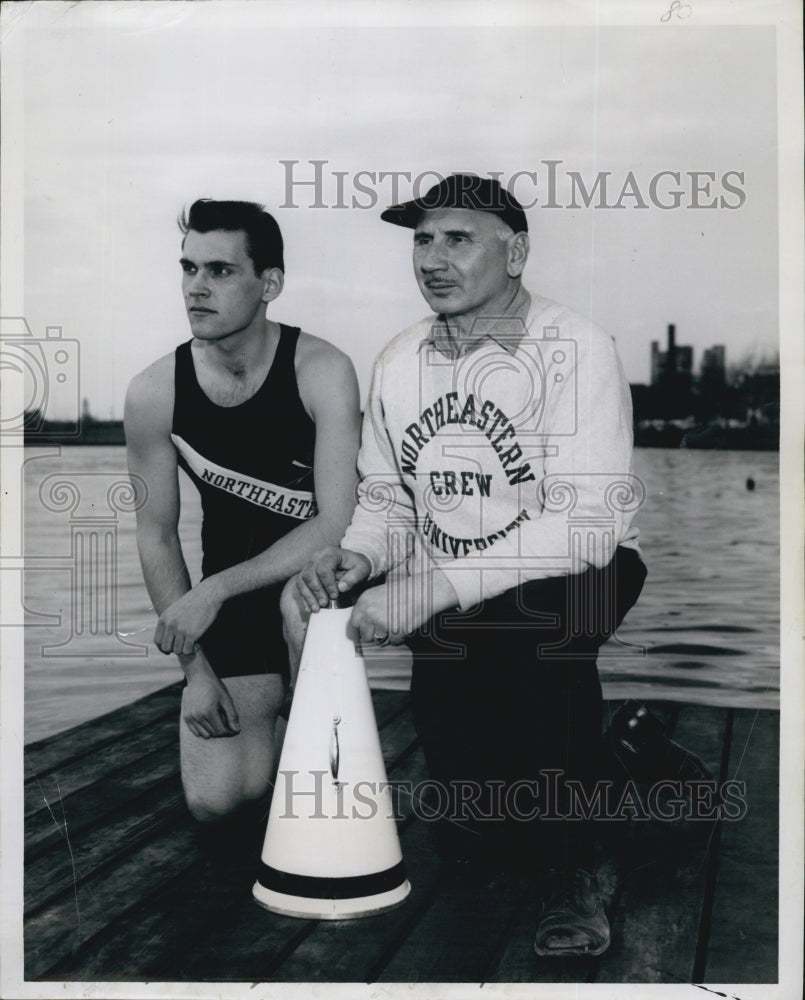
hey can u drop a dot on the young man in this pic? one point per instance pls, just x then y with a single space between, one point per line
496 462
265 421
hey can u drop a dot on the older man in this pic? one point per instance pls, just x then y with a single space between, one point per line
496 469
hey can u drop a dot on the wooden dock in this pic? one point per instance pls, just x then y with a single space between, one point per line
119 886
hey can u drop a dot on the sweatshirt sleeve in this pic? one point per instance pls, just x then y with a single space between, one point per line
383 522
575 515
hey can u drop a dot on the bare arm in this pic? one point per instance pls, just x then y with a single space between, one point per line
329 390
152 457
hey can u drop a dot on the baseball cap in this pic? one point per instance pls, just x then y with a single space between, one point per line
482 194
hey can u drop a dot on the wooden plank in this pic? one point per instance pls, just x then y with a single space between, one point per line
56 751
149 940
743 930
460 932
161 937
88 737
655 924
76 917
64 780
61 868
74 813
246 945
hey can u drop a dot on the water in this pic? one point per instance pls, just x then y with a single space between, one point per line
708 616
705 629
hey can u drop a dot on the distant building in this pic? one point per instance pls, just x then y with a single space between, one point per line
674 365
657 362
714 365
760 390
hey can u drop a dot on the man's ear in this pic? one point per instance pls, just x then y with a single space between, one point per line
518 254
273 282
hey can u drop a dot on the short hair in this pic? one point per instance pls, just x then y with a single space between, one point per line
263 237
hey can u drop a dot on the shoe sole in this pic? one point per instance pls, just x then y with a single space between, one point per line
571 952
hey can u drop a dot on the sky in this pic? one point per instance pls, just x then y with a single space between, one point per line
132 111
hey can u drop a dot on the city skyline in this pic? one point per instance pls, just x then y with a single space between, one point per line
753 356
713 364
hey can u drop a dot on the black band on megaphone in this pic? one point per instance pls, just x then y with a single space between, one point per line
320 887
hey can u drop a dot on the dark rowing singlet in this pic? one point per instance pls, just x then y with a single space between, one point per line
253 466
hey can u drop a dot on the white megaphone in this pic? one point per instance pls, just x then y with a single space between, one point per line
331 849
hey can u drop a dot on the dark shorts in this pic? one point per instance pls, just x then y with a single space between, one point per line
246 638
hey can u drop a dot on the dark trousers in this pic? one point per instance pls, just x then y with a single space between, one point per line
507 704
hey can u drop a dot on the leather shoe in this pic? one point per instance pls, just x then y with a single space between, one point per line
573 921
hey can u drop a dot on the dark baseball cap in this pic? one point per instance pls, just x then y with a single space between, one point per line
462 191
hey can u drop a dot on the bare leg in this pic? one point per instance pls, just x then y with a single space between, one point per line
220 775
295 618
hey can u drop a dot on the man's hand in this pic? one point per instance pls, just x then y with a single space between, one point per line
182 624
207 707
332 572
390 612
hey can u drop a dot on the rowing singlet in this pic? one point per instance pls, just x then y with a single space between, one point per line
253 466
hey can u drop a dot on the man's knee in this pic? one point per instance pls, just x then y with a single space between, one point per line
207 811
217 785
209 806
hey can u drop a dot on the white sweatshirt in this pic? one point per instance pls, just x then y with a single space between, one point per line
510 463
